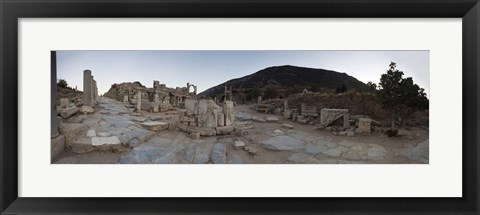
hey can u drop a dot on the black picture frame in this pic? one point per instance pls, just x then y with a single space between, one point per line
12 10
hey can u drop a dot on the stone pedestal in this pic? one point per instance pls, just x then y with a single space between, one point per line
364 126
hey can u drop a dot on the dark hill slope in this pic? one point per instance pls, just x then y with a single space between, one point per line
288 76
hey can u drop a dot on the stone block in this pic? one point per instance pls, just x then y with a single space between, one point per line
195 135
64 102
327 116
224 130
238 144
287 126
72 131
91 133
81 145
221 119
190 106
272 119
87 109
98 141
155 125
57 147
68 112
364 125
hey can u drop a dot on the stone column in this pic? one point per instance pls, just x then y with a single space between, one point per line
95 91
53 94
285 105
139 100
259 99
87 88
125 98
156 102
92 91
194 90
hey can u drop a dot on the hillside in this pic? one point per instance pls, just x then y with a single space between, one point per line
289 77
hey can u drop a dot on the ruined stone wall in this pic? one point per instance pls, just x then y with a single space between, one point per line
118 91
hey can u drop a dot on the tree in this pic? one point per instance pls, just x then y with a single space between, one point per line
342 88
62 83
400 95
372 86
271 92
254 93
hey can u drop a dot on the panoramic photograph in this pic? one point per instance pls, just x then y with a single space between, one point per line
240 107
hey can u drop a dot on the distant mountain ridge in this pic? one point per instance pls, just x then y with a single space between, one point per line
289 76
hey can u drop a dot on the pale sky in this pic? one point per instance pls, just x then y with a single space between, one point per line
210 68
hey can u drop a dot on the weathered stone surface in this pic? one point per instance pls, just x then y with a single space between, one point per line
155 117
72 130
418 153
327 116
287 126
282 143
235 159
228 111
238 144
221 119
190 106
315 149
57 147
376 152
98 141
202 106
364 126
87 109
333 152
81 145
202 153
224 130
272 119
64 102
250 150
277 133
300 158
87 88
219 154
195 135
140 119
169 158
287 114
190 152
68 112
139 100
155 125
149 106
243 116
350 133
91 133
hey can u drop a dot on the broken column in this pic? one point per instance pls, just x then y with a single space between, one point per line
125 98
87 106
139 100
285 105
259 99
228 112
156 102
